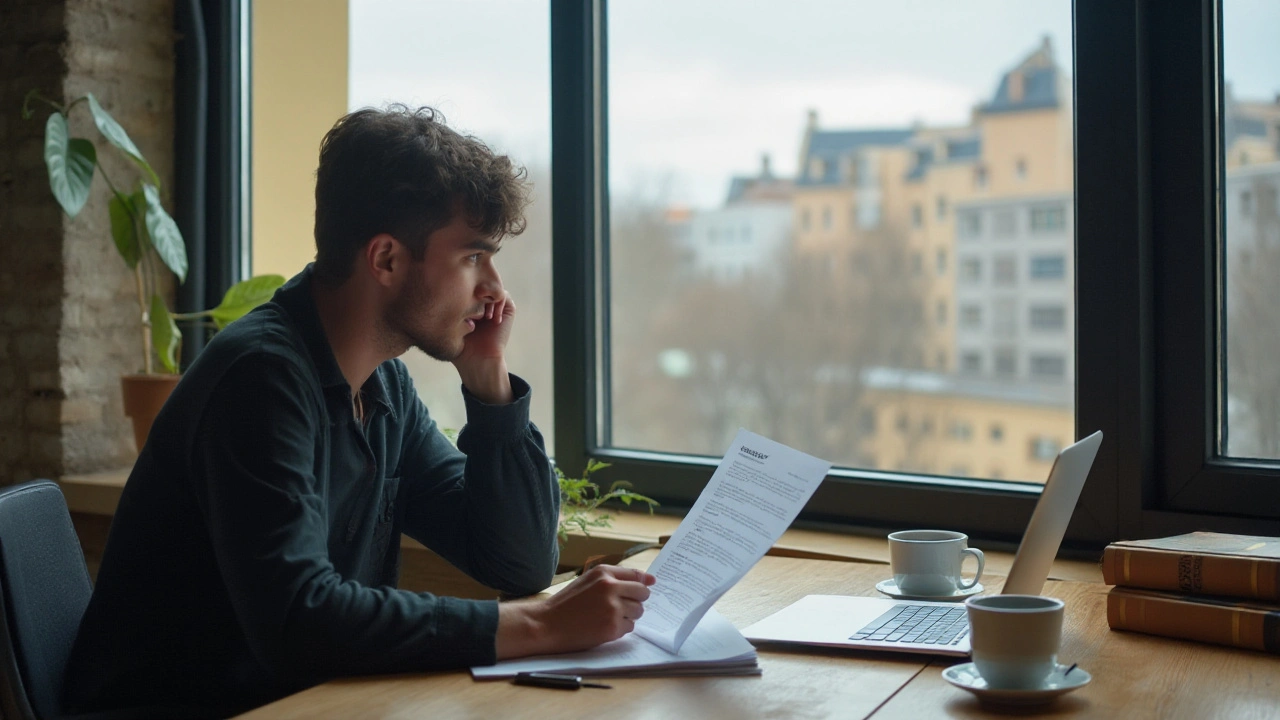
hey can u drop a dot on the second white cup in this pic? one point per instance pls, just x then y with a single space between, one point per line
927 562
1015 638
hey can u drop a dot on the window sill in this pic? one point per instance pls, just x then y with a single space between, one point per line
99 493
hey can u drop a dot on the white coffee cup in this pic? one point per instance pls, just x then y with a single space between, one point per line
927 562
1015 639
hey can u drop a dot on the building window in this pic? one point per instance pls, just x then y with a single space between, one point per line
940 261
1044 448
940 313
1005 362
970 224
1048 219
1048 317
971 363
867 422
826 217
980 177
1048 367
1048 267
917 216
971 269
941 207
960 430
1246 203
971 316
1004 317
903 423
997 433
1020 169
817 169
1004 224
1004 270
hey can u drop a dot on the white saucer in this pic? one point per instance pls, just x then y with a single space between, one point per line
890 587
966 677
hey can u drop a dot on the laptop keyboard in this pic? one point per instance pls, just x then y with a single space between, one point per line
928 624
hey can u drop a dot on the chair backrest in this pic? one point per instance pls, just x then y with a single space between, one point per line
46 588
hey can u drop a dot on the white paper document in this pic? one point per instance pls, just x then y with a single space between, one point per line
754 495
715 648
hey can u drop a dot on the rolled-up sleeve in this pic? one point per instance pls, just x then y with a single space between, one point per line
257 486
491 506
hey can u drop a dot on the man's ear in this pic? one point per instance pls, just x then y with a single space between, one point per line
384 257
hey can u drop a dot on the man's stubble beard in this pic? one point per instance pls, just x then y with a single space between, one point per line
414 303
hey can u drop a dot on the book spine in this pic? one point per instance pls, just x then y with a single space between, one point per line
1194 573
1209 622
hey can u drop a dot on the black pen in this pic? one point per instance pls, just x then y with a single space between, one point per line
555 680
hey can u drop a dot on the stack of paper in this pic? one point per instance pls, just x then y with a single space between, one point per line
753 496
714 648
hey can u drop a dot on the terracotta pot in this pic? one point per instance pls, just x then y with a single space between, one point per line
144 395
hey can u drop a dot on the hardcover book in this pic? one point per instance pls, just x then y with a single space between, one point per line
1200 563
1254 626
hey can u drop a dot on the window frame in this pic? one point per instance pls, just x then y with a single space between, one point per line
1126 85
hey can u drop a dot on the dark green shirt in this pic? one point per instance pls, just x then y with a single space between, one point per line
255 550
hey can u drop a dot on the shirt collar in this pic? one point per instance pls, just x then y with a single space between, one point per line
296 300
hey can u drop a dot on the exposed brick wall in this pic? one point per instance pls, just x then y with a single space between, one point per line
68 313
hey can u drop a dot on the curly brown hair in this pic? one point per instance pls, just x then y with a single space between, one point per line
403 172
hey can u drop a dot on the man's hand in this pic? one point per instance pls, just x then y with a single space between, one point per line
600 606
481 364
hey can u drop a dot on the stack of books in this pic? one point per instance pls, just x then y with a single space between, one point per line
1211 587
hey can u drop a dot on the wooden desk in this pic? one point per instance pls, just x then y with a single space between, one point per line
1134 676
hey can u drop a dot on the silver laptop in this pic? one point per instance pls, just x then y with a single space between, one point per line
937 628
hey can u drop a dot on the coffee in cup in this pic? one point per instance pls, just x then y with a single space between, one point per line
1015 639
927 562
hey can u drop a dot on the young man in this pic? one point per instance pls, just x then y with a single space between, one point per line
255 550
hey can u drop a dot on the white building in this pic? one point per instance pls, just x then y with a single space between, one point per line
747 235
1015 288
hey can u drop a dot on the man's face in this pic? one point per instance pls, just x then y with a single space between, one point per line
446 292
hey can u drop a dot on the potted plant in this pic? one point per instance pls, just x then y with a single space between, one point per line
146 237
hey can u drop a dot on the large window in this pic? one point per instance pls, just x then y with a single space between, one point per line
659 120
1250 260
895 113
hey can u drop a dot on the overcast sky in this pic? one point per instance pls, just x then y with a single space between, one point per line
697 92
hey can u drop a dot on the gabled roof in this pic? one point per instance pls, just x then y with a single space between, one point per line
1033 85
832 145
957 150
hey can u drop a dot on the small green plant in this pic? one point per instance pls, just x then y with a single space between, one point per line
580 498
143 232
580 501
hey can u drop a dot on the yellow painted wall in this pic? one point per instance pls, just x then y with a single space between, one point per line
300 51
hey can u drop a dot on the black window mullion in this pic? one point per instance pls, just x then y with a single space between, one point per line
573 219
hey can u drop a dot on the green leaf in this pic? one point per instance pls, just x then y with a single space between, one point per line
245 296
166 238
70 162
116 135
165 335
124 211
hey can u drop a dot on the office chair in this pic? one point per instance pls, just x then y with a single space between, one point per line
44 589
